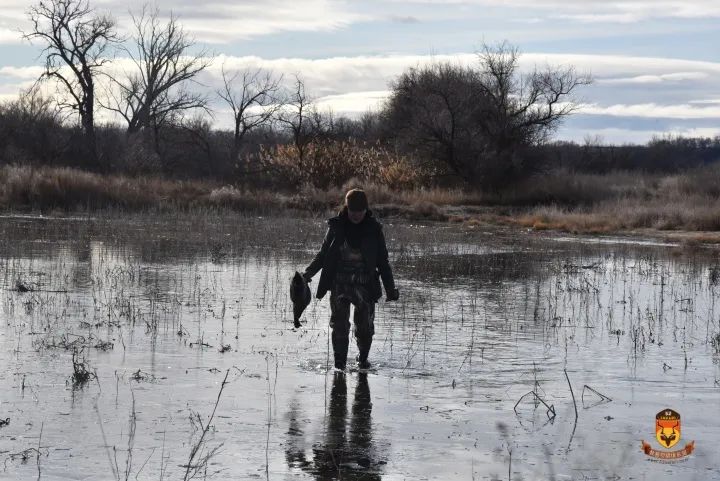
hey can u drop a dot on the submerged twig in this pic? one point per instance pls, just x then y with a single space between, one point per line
550 408
576 412
37 458
131 438
113 465
572 394
603 398
537 399
193 462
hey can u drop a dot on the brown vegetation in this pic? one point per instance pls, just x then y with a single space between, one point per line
579 203
67 189
624 201
64 188
334 163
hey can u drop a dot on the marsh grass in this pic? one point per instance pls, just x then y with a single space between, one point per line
563 200
664 214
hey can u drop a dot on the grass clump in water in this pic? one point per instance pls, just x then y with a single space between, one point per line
715 342
81 369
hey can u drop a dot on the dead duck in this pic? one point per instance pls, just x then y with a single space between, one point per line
300 296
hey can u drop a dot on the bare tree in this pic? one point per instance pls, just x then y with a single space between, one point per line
482 121
163 66
524 108
33 106
31 128
252 95
297 117
76 40
432 110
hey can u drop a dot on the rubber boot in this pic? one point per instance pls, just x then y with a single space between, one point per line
362 358
340 350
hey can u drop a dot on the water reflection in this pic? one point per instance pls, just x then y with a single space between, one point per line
344 452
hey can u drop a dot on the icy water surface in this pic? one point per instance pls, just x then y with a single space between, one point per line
160 316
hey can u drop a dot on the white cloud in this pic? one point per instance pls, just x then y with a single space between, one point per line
656 79
601 17
705 101
9 36
619 65
615 136
12 21
221 21
353 103
651 110
697 132
225 21
622 11
242 20
329 76
11 91
637 11
23 73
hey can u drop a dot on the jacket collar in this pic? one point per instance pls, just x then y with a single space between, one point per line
339 219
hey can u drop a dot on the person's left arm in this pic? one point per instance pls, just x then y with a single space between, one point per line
384 268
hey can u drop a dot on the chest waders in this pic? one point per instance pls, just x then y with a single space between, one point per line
351 287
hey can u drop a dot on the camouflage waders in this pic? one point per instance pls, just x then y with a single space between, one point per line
350 287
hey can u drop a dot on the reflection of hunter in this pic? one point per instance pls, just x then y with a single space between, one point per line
353 257
337 456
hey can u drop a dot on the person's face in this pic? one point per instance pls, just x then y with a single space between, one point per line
356 216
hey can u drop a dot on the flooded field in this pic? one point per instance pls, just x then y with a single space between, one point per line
141 349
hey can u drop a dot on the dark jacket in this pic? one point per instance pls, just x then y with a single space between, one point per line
372 246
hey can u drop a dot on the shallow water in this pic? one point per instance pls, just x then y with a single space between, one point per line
485 317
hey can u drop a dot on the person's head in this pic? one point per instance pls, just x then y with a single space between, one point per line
357 205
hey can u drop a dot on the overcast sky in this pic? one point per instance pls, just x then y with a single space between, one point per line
656 64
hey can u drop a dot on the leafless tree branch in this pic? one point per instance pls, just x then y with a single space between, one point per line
296 117
75 41
253 98
163 66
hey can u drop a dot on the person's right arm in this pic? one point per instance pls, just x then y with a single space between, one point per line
317 262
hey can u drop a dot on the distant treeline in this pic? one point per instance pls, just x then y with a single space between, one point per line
33 133
485 126
660 155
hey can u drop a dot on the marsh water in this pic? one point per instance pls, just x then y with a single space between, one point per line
158 313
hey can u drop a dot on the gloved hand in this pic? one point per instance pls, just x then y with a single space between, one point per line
392 295
307 277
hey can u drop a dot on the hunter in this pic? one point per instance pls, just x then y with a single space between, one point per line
353 259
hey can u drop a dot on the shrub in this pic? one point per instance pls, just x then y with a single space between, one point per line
333 163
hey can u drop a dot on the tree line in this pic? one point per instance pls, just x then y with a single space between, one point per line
481 125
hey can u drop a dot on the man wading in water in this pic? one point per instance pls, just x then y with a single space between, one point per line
353 257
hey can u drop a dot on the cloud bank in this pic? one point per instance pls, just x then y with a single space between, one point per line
226 21
354 85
